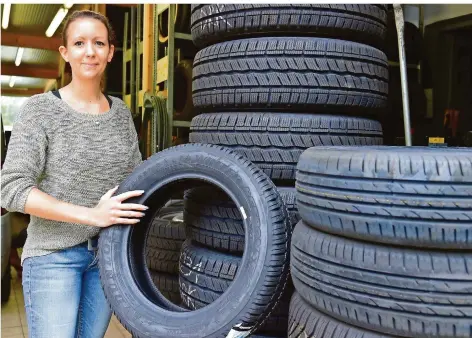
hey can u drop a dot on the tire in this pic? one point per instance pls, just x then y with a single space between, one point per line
162 260
181 20
258 286
412 196
216 22
165 239
183 103
413 41
274 142
166 233
6 285
214 221
168 285
206 274
392 290
307 322
281 73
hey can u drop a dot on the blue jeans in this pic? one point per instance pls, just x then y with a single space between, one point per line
63 295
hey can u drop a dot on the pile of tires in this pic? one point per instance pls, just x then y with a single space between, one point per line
270 82
163 245
384 247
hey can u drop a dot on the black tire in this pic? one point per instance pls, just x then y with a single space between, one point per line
216 22
213 220
413 41
393 290
264 269
415 196
305 321
206 274
274 142
181 22
6 285
168 285
183 102
281 73
162 260
167 233
165 238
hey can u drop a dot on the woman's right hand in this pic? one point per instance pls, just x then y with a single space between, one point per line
110 210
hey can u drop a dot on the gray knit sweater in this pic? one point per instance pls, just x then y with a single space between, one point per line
72 156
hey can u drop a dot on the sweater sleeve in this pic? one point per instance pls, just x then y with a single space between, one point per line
25 159
136 157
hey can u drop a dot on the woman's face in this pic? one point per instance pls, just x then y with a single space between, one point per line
87 50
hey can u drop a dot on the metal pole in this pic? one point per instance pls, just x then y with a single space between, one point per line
170 70
125 47
400 23
155 55
421 28
134 55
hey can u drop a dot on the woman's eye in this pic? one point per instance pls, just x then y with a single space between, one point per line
78 43
100 43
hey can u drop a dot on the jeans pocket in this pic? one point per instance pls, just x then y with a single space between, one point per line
94 261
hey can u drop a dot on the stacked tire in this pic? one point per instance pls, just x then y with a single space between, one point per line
384 245
271 81
163 246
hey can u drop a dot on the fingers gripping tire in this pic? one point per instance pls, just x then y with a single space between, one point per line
264 268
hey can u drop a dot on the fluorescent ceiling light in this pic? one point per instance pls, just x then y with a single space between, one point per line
6 15
19 55
60 15
68 5
12 81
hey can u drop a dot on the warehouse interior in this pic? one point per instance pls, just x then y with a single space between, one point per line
154 71
439 76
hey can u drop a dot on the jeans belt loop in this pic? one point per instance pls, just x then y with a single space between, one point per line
92 244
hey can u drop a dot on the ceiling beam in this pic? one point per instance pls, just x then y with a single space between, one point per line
29 71
30 41
21 92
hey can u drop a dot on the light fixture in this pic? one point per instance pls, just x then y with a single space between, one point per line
68 5
60 15
12 81
6 15
19 55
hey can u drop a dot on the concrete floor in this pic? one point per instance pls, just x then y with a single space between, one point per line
13 316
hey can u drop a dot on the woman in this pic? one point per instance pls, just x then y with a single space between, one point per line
67 149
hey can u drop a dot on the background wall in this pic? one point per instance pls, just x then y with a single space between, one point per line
436 12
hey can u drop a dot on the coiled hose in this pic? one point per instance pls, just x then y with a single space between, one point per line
155 131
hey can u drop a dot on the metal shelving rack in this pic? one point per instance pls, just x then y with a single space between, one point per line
132 51
163 77
159 60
